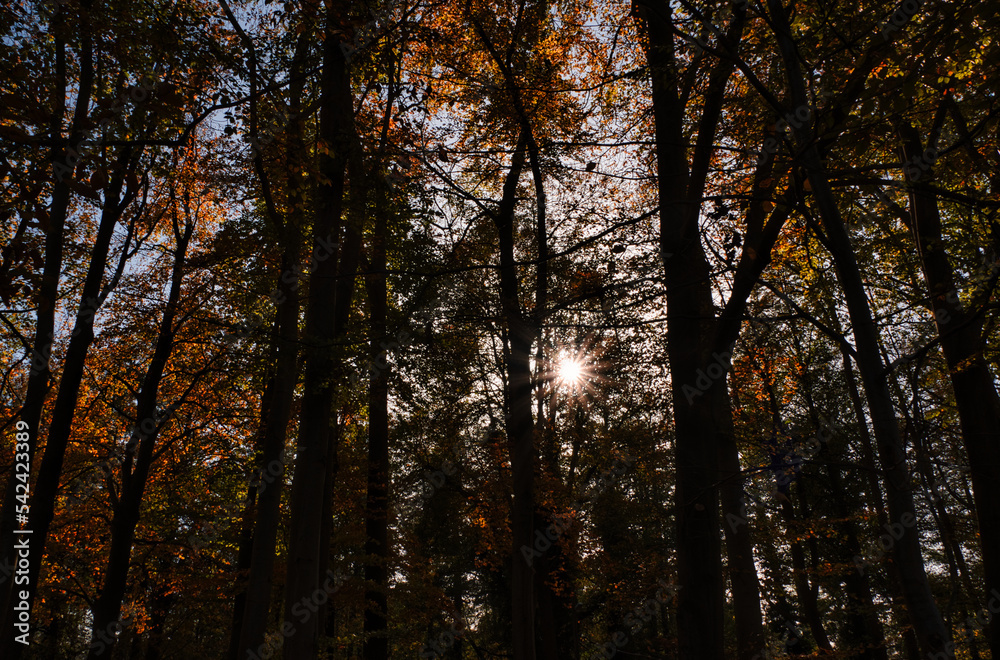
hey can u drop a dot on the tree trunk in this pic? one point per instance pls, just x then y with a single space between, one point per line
323 317
932 635
40 373
960 332
705 452
861 610
699 553
739 542
270 482
864 628
520 425
803 590
244 557
107 609
930 629
47 486
912 649
250 628
376 633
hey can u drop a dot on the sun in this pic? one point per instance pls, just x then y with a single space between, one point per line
574 371
570 371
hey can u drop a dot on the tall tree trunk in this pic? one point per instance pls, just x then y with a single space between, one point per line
875 499
861 609
963 590
376 637
946 527
520 425
932 634
805 593
46 489
930 629
960 332
244 557
522 448
739 541
705 452
40 373
250 625
270 483
325 314
803 590
523 330
699 552
863 622
327 612
107 609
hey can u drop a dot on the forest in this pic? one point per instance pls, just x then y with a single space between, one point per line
499 329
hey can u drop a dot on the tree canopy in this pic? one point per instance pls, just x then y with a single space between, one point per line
515 329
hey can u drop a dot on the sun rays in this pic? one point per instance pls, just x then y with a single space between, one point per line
574 371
